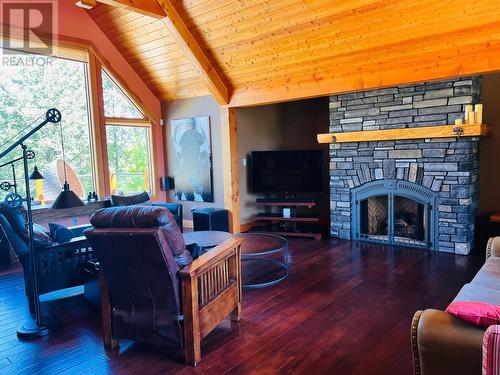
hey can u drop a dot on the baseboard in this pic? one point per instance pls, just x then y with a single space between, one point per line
246 227
188 224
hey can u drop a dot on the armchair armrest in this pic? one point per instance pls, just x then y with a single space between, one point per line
444 344
211 290
491 351
493 247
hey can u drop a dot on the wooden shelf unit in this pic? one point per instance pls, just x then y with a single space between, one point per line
288 226
438 131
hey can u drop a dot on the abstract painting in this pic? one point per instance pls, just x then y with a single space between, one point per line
192 159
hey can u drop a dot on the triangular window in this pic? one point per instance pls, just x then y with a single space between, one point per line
116 103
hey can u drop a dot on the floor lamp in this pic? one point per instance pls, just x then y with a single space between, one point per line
37 327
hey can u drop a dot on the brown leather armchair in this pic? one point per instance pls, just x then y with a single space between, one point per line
151 289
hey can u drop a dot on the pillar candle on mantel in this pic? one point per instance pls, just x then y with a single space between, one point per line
469 114
478 108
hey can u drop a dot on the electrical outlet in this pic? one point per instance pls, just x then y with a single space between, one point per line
244 162
74 220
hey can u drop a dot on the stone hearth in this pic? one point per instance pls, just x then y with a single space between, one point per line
448 167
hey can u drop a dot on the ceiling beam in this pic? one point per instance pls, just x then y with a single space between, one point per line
146 7
193 52
165 10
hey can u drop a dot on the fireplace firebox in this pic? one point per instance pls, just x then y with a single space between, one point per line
395 212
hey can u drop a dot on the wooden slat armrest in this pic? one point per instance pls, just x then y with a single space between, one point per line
211 258
211 290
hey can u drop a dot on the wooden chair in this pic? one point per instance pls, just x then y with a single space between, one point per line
142 287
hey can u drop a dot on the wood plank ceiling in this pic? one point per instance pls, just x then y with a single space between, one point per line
271 50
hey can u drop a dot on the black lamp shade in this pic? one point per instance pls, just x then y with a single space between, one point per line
167 183
36 175
67 199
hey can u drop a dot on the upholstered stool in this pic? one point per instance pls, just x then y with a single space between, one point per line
211 219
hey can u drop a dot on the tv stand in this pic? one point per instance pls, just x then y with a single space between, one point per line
296 225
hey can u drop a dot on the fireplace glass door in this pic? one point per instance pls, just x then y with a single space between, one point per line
409 221
395 213
375 218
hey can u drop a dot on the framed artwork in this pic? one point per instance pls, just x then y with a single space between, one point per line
192 159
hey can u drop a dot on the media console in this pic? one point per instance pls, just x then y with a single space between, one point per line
292 225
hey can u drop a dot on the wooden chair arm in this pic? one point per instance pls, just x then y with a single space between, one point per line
211 258
211 290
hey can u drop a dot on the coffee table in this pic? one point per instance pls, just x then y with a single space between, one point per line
264 250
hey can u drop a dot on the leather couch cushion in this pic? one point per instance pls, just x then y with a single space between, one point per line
129 200
489 274
478 293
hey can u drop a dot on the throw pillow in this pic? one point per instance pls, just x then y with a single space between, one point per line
129 200
41 238
60 233
478 313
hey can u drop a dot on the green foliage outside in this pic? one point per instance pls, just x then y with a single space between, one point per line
26 93
128 146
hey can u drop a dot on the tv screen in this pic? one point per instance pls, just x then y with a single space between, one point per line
287 171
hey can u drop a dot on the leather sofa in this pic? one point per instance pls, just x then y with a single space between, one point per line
445 344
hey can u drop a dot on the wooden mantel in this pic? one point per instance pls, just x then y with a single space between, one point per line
439 131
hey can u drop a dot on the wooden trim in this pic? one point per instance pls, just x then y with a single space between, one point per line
136 122
188 224
186 41
444 131
98 131
245 227
145 7
230 167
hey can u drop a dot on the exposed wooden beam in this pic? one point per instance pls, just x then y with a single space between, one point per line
230 167
147 7
193 51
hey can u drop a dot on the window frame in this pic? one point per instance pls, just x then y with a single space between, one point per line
95 64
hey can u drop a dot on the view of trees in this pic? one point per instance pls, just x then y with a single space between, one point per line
128 146
26 93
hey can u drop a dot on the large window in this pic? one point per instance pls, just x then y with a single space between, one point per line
100 122
129 143
29 86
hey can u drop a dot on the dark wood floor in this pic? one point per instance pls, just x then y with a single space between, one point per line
345 309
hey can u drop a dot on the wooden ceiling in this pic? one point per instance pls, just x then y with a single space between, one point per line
275 50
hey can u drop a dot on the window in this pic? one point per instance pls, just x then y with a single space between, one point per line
129 142
29 86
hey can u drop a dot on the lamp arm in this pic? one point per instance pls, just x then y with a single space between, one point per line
53 115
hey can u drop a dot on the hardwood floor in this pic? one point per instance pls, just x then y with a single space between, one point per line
345 309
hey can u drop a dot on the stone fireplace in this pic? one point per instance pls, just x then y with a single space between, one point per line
422 192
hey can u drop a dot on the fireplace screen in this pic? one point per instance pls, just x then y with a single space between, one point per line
391 214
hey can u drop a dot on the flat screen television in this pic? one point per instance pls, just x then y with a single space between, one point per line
287 171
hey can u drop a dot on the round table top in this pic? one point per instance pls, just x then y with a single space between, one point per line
206 238
261 243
